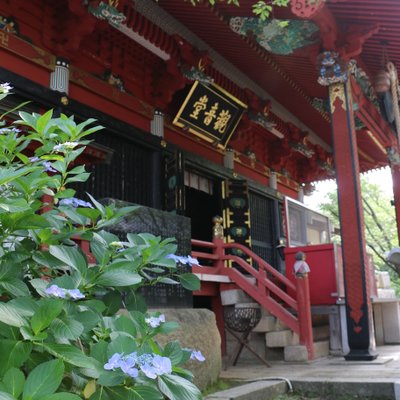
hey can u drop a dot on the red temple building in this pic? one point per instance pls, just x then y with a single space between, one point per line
210 111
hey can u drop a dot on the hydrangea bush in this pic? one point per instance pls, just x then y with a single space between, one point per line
70 329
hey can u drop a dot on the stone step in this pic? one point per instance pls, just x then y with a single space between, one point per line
260 390
299 353
281 338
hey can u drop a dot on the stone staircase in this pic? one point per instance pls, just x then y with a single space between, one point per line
271 338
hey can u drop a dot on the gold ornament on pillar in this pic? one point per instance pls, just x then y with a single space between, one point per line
336 91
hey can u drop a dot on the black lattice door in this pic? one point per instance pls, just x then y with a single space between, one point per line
262 227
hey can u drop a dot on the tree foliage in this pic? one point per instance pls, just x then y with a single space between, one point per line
379 219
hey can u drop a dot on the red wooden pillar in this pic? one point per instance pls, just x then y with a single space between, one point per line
304 311
395 169
358 302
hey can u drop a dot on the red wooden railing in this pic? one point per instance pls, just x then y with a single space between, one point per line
269 293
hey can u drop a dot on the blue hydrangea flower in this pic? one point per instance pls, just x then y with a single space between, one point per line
159 366
34 159
162 365
74 202
11 129
155 321
113 362
151 365
62 293
5 87
128 367
75 294
62 147
48 167
56 291
192 261
197 355
183 259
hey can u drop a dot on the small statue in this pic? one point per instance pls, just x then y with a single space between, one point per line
301 268
218 229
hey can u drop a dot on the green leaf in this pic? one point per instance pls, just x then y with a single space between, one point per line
70 354
136 393
40 286
11 315
99 206
43 122
174 352
14 381
113 302
177 388
62 396
119 277
48 310
122 345
65 194
67 328
43 380
125 324
15 287
71 256
146 393
111 378
6 396
100 394
168 327
189 281
9 174
78 178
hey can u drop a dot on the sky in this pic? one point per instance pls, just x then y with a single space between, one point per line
381 177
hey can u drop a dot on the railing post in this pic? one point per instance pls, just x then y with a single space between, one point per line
304 313
218 240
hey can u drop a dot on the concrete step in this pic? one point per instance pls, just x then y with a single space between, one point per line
299 353
260 390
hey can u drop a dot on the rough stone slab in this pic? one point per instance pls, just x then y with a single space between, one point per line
230 297
266 324
197 330
296 353
260 390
